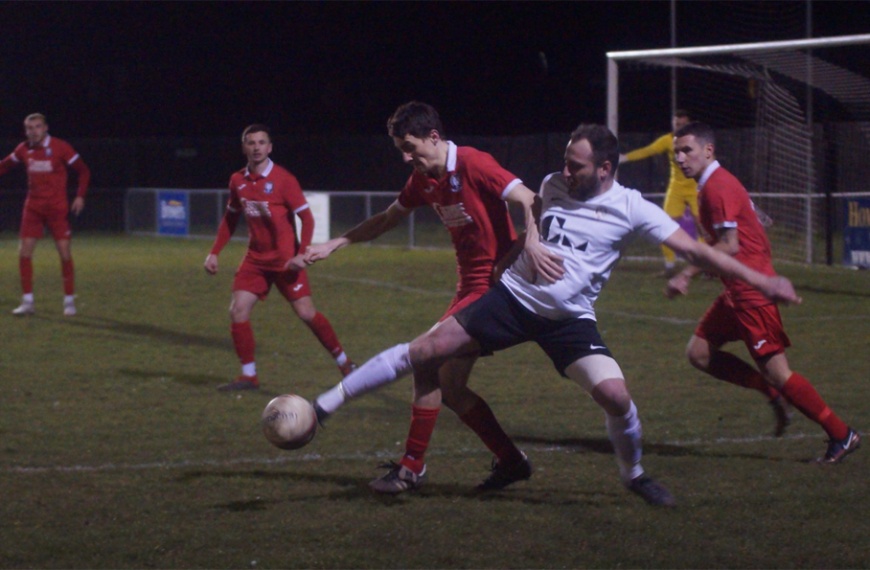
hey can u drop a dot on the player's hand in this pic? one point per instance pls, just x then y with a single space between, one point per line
296 263
546 264
77 205
211 264
677 285
317 252
781 290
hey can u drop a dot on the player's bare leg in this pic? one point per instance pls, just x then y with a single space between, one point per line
601 377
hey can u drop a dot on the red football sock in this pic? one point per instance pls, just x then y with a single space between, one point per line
324 332
243 341
801 394
422 426
25 269
68 273
725 366
483 422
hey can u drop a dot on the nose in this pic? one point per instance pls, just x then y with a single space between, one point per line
406 157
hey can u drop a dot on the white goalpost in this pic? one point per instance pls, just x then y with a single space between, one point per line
792 120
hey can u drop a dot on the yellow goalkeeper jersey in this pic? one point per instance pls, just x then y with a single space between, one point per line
665 145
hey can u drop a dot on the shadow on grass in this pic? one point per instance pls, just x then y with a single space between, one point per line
357 489
603 446
151 331
827 291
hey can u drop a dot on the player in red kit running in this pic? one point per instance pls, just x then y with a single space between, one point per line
270 198
468 189
741 312
47 160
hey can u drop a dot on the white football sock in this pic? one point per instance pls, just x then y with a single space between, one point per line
249 369
625 434
386 367
27 298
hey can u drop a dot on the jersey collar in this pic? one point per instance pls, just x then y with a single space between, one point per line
451 157
266 172
711 168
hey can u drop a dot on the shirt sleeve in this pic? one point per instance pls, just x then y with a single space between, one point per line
659 146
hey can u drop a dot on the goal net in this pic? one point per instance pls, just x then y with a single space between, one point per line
792 122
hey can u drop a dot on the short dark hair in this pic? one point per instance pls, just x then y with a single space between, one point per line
414 118
605 146
701 131
683 113
256 128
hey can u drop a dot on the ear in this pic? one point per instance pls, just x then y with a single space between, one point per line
434 136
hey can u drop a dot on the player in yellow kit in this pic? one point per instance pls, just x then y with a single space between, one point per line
682 192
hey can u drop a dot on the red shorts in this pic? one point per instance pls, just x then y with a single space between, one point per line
34 220
760 328
292 285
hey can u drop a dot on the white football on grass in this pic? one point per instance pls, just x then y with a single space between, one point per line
289 421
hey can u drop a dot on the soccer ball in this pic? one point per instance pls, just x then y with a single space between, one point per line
289 421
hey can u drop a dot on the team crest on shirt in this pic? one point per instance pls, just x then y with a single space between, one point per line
455 183
268 188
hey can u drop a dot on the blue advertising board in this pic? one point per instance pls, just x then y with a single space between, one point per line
173 213
856 233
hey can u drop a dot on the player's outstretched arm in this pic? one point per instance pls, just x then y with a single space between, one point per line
700 255
367 230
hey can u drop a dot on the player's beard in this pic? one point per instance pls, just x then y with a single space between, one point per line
583 189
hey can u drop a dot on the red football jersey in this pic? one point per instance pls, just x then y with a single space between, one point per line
469 199
47 165
270 203
723 202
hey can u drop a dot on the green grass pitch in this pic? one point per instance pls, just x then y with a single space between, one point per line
118 452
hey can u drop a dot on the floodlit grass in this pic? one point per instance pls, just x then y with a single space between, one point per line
117 452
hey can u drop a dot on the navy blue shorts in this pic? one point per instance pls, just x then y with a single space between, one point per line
498 321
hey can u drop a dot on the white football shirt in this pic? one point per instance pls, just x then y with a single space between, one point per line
591 236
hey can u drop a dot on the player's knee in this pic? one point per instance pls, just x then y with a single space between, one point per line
613 396
698 354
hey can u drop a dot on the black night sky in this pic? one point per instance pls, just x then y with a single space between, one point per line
140 69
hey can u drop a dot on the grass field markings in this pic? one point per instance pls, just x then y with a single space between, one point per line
387 285
625 314
379 455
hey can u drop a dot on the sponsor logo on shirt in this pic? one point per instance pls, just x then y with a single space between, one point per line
453 215
256 209
34 165
551 231
242 186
